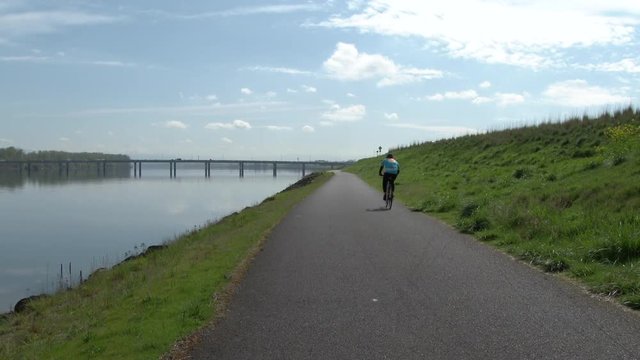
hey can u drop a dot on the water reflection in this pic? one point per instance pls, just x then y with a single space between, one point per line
92 221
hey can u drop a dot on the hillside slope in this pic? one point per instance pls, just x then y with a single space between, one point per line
562 196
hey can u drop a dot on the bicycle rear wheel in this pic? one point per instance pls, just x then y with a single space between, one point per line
389 196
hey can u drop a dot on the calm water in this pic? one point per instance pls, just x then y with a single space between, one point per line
95 223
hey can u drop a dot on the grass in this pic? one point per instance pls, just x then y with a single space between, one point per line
139 309
562 196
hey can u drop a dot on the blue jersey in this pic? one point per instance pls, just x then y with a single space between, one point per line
390 166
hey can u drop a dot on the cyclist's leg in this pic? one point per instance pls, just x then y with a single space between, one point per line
385 181
392 178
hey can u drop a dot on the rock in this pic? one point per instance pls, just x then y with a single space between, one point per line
153 248
23 304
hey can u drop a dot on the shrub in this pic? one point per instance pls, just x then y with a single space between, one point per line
621 243
583 153
521 173
624 140
468 210
437 204
591 165
474 224
620 251
617 160
552 262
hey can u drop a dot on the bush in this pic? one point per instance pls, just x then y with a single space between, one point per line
521 173
468 210
624 141
591 165
438 204
474 224
620 251
617 160
583 153
552 262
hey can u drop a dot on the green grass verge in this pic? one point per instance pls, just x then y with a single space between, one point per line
562 196
140 308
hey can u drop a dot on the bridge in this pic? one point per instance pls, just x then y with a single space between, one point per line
101 165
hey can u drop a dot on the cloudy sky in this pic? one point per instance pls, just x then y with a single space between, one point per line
303 79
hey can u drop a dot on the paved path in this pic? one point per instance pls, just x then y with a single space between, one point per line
341 279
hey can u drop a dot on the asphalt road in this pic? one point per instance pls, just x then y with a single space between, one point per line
340 278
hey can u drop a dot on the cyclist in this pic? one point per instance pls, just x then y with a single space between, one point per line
389 170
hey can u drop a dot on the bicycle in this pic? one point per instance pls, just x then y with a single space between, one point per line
388 194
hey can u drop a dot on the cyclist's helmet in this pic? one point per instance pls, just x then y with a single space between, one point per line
389 155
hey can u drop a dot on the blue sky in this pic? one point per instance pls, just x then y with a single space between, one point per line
303 79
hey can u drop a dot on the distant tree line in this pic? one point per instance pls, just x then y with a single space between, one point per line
12 153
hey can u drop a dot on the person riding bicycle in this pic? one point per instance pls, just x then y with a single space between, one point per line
389 170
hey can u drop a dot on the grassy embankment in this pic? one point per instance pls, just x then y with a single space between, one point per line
140 308
562 196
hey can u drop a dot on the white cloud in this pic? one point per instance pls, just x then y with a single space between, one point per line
392 116
485 85
355 4
496 31
211 97
43 22
347 63
505 99
112 63
435 97
281 70
5 141
235 124
175 124
292 91
308 129
271 94
350 95
28 58
246 91
347 114
309 89
628 65
64 139
482 100
454 95
226 140
578 93
501 99
240 11
278 128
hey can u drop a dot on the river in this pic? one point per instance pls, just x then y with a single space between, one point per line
84 224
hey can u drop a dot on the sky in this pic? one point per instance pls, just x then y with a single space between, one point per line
303 80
